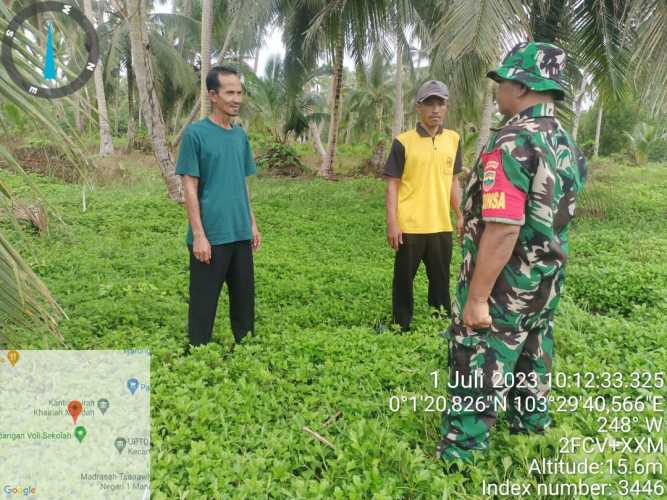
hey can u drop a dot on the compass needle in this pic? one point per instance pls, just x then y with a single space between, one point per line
49 58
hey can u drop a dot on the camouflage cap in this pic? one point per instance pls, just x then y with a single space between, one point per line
537 65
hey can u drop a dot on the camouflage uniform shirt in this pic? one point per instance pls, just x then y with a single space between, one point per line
528 175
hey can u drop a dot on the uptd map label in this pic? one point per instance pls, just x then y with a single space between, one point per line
75 424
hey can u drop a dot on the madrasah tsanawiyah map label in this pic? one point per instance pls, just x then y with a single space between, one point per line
75 424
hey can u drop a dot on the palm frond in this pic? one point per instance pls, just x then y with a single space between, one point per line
171 66
649 57
24 299
482 28
600 43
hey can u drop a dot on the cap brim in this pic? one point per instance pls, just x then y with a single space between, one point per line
445 97
494 76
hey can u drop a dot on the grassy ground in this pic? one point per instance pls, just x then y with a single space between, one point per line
230 424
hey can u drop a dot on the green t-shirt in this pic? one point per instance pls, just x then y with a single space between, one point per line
222 159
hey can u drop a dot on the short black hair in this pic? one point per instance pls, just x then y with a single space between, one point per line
551 93
212 80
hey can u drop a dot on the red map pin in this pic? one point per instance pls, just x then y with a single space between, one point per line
74 408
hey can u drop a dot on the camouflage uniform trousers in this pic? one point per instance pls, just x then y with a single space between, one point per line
502 363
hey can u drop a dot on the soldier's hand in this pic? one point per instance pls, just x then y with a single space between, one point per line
459 228
476 314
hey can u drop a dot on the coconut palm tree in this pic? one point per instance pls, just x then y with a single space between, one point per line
337 26
273 110
106 144
469 39
641 139
150 103
268 99
205 55
240 25
373 101
409 21
173 59
583 88
472 35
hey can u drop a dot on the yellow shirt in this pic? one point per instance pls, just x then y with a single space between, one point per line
425 166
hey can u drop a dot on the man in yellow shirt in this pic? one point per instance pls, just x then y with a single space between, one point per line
422 184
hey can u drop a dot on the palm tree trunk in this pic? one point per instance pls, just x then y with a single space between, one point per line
598 130
398 89
131 124
149 101
360 74
377 158
487 114
116 105
380 125
106 145
255 64
186 10
314 130
78 117
188 121
89 107
577 108
326 168
206 33
176 117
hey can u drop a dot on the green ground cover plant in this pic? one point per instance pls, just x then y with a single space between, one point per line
229 423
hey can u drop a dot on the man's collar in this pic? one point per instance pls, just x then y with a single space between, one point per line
424 133
544 109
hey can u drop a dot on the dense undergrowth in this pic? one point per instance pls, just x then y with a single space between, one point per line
229 423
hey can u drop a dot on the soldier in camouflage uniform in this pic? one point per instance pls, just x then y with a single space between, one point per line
517 206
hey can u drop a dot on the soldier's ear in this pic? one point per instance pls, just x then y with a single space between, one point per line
522 90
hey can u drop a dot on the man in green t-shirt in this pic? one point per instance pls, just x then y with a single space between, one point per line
214 159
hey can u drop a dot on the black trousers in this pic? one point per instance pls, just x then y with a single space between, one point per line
435 250
231 263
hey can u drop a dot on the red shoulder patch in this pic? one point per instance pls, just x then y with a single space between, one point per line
501 200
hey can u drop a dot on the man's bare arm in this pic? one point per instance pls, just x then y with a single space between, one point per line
495 249
394 235
256 235
455 202
455 199
200 245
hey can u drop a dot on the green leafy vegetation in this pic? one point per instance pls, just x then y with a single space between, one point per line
232 420
280 160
